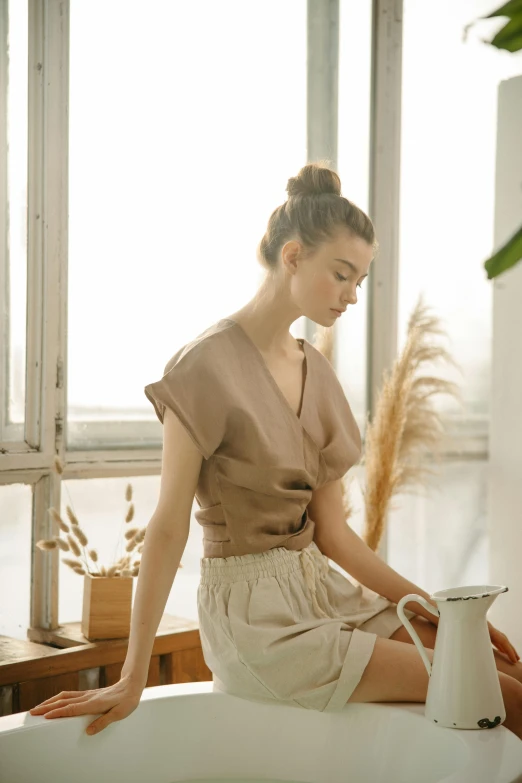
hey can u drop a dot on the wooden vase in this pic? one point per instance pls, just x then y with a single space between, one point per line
107 605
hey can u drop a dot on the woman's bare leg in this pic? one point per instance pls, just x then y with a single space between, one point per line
396 672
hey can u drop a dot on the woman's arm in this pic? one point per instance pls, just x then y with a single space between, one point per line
164 544
336 539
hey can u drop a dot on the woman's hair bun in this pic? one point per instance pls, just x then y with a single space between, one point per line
313 180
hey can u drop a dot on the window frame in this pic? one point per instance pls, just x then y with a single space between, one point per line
31 460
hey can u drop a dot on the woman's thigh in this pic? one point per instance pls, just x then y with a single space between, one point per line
396 672
428 634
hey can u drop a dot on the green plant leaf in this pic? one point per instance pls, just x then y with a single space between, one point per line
510 9
510 36
508 255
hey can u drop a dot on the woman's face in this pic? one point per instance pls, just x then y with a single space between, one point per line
328 279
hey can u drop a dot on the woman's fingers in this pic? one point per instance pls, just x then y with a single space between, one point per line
102 722
59 703
68 710
508 649
59 697
110 704
502 643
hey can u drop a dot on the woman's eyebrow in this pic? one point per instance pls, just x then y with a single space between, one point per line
352 266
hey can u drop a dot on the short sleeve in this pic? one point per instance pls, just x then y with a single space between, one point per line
191 386
341 437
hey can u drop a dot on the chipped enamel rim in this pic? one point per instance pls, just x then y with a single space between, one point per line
468 591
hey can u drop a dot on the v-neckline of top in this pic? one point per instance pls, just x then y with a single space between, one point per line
257 352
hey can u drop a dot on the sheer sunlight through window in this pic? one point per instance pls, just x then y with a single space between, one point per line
183 134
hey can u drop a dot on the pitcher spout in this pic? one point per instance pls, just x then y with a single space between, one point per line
482 595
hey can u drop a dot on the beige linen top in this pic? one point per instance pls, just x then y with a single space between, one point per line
261 460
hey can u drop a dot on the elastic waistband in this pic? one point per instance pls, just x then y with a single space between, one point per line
277 561
217 570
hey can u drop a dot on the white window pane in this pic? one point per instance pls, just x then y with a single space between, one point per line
15 560
449 119
13 225
183 134
439 539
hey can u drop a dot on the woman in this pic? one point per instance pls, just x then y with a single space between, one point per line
257 427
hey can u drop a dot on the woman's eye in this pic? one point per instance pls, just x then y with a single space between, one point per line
340 277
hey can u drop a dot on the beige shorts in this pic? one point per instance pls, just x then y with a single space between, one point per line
285 626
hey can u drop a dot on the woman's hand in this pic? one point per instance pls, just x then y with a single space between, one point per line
502 643
116 702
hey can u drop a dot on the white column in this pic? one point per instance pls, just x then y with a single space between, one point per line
505 477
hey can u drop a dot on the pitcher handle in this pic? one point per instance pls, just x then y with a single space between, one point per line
409 627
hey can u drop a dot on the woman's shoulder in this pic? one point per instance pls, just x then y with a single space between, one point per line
323 367
206 350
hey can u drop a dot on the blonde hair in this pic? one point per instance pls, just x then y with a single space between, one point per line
314 212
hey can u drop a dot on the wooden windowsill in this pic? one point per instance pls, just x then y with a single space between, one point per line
50 653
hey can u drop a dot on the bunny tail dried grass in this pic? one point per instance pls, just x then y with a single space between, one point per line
72 516
80 535
74 546
405 426
128 493
71 563
57 518
64 546
46 545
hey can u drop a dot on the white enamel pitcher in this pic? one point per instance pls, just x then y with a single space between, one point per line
464 688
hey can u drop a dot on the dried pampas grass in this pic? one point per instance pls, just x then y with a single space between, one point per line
406 427
76 542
